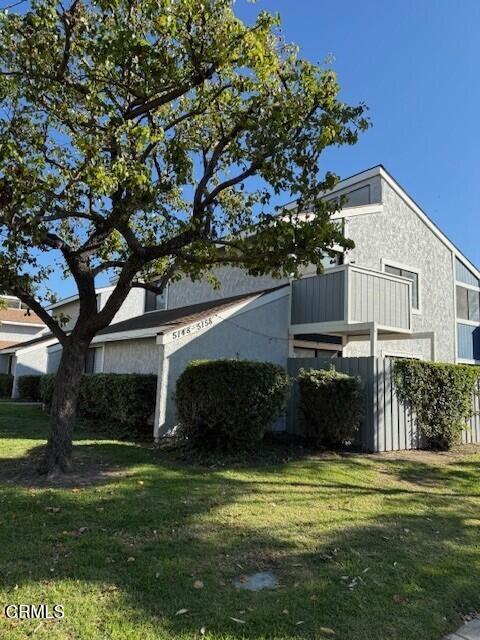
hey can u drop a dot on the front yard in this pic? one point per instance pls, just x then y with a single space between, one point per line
365 547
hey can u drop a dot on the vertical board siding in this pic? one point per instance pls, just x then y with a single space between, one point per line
468 341
319 298
380 299
465 275
387 424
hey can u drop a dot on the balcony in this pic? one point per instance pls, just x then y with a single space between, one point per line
351 300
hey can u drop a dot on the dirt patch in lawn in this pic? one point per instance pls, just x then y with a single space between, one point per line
458 453
88 470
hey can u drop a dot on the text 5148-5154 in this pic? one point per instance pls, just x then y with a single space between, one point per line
193 328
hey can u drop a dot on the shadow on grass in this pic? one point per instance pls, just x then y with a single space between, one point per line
404 571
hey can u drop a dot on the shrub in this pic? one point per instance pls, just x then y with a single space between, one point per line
123 402
120 405
228 404
331 404
6 383
29 388
439 395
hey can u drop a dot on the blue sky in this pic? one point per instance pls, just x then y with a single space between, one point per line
415 63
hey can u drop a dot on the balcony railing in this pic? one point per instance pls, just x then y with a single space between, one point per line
349 295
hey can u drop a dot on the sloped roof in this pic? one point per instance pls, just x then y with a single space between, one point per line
15 346
6 343
158 321
170 318
19 315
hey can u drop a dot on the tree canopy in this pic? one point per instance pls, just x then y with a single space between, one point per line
148 137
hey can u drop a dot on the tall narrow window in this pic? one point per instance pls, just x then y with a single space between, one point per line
90 360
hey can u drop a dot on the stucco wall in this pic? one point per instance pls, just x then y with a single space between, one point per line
233 281
70 310
32 362
133 305
17 333
254 334
131 356
122 356
399 235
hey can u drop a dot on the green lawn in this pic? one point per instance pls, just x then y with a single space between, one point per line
370 548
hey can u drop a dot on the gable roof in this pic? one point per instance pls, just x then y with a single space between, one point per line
397 187
161 321
380 170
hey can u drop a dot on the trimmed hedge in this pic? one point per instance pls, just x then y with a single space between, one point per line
29 388
228 404
6 384
331 404
115 403
440 395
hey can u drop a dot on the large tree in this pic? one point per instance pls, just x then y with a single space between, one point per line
147 137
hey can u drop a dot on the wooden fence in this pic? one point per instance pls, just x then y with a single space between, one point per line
388 424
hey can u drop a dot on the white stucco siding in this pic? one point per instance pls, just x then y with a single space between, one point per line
258 333
18 333
68 310
398 235
233 281
31 362
131 356
133 305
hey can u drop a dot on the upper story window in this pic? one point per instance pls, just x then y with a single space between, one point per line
468 304
154 301
411 275
355 198
328 262
13 303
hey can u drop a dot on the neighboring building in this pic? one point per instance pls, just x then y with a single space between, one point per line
404 290
17 324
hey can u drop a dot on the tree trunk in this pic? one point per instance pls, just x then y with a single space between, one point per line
58 452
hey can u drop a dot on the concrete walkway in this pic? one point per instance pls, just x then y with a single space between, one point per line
469 631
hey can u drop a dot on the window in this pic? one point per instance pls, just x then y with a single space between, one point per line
328 262
468 304
12 303
90 360
411 275
358 197
154 301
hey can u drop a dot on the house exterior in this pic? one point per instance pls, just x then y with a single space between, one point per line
17 325
404 290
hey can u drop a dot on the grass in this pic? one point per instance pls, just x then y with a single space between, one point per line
365 547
